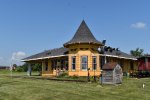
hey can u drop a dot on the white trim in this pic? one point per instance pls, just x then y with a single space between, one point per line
43 58
73 63
117 56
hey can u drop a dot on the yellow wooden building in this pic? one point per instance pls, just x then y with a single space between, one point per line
81 54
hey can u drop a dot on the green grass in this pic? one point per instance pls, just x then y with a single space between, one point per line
14 73
33 89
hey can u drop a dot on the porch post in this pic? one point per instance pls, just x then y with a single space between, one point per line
49 65
43 65
105 59
29 70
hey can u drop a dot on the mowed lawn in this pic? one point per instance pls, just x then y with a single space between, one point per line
36 89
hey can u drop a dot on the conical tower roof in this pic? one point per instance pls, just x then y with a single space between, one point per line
83 35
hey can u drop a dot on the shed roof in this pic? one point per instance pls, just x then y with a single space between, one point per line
109 66
83 35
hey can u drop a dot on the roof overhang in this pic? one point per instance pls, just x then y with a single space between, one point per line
118 56
41 58
84 43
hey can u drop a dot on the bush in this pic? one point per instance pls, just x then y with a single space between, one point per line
19 69
94 80
64 74
75 77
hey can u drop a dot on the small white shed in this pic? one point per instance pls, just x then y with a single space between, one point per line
112 73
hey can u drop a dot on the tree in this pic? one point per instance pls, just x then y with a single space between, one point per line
137 52
14 65
24 67
36 67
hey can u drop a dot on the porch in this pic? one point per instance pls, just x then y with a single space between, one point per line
54 66
50 66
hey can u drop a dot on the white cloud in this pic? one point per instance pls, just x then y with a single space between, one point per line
18 55
138 25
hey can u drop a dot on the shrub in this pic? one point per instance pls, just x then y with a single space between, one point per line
64 74
75 77
19 69
94 80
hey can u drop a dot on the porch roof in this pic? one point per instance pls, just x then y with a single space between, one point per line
57 52
119 54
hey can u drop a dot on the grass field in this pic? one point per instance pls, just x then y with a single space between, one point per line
33 89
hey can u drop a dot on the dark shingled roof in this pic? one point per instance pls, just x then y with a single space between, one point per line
83 35
115 52
48 53
119 53
109 66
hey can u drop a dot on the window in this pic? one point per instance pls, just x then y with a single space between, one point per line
84 62
94 62
73 63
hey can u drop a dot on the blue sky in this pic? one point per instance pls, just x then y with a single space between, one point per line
30 26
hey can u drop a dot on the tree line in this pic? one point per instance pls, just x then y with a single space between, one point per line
24 67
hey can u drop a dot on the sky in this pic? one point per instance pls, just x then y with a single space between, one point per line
28 27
